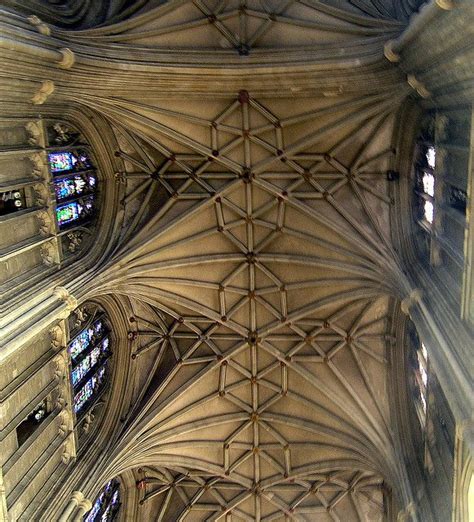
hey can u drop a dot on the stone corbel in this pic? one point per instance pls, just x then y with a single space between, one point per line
81 317
58 338
41 27
65 423
60 363
39 166
415 84
34 132
60 403
411 300
64 295
68 454
46 89
41 195
45 223
49 254
88 420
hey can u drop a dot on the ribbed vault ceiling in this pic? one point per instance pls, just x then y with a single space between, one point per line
257 257
255 251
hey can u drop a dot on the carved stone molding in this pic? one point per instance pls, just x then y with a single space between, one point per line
409 301
34 132
68 58
64 295
75 240
41 195
49 254
45 223
58 337
46 89
40 25
39 166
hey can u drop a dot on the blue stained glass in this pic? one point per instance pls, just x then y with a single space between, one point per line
95 508
85 365
87 391
61 161
106 504
83 340
64 161
74 210
74 186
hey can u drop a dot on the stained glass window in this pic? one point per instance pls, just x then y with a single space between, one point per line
74 211
74 186
66 161
89 351
86 337
87 391
107 504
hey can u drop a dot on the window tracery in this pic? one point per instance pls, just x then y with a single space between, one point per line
435 423
107 504
440 178
89 351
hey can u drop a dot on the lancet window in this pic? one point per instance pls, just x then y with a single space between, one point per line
49 199
74 178
440 179
432 416
89 351
107 504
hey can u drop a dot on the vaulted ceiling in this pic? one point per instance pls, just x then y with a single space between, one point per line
256 254
255 249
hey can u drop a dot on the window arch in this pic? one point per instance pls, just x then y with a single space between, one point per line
49 200
75 182
89 352
432 419
106 505
440 177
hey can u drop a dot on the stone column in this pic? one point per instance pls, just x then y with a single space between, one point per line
76 497
84 507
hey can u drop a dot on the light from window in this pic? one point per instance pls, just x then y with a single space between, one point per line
107 504
65 161
90 388
429 211
72 187
85 338
431 157
428 184
75 211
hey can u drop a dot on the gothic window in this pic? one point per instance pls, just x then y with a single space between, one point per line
89 351
107 504
433 419
75 185
440 174
425 179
